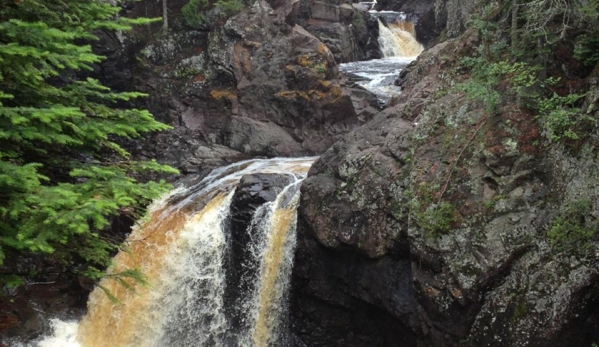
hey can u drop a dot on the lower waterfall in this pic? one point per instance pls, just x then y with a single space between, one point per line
183 248
276 260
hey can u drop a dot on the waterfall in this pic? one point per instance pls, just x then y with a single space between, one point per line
399 39
275 269
399 47
182 249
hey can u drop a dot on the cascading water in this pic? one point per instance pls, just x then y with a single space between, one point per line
399 39
399 47
265 310
182 249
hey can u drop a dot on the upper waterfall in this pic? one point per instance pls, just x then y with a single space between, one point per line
399 46
184 250
399 38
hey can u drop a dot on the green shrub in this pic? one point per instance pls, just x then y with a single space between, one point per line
194 12
587 48
561 116
438 218
574 227
587 44
229 7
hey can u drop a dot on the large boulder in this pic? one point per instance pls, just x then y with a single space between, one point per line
499 224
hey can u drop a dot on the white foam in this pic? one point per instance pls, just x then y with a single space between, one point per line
64 335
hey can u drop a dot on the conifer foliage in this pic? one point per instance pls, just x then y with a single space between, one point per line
62 172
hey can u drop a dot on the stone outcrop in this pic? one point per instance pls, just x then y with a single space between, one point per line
254 89
347 30
257 84
474 203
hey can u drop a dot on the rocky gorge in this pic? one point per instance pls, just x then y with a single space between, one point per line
433 221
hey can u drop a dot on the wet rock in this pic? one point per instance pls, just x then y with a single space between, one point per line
49 291
348 31
251 192
340 298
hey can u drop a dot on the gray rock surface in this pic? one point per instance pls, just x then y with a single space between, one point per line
348 31
473 202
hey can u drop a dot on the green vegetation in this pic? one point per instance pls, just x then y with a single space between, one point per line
587 44
195 14
501 72
574 227
63 173
434 218
486 76
587 48
438 218
187 72
358 21
560 114
121 278
521 310
320 68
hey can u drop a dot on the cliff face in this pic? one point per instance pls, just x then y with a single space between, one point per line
253 86
497 223
347 29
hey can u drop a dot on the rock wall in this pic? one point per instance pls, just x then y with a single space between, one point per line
352 282
348 31
257 84
472 202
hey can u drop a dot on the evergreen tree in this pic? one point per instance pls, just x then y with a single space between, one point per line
62 174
